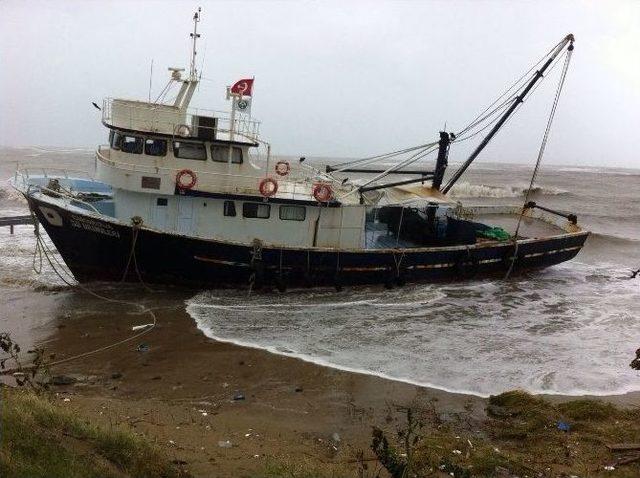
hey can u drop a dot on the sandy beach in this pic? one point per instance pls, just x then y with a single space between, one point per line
185 392
218 409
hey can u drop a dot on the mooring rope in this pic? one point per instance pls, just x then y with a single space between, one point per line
43 249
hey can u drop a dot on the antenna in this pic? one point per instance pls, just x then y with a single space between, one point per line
194 36
150 79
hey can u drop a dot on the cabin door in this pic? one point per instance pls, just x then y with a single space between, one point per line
185 215
160 213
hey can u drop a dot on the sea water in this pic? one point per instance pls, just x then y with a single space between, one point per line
569 329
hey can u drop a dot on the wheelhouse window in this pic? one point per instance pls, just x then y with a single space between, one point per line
256 210
188 150
131 144
293 213
155 147
162 201
220 154
230 208
115 139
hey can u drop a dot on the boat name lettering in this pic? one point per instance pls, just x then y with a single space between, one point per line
93 226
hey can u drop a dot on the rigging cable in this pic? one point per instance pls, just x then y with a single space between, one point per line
504 105
464 130
543 145
373 159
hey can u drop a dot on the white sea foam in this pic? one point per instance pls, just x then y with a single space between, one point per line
468 190
570 330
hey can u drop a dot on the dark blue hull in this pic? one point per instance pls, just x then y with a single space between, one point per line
99 250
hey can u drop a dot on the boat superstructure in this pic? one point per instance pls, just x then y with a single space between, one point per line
196 196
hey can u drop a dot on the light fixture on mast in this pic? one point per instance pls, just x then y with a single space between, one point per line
194 36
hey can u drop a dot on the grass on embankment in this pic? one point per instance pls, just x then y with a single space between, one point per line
40 439
519 437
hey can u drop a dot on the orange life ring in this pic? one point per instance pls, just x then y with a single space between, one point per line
268 187
283 168
186 185
322 192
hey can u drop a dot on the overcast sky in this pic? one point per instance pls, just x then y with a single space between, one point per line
332 78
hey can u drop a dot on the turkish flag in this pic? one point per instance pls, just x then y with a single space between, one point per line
243 87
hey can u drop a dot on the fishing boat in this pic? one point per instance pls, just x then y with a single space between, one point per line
195 197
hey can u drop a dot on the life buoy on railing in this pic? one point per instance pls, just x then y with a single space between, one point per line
183 130
186 179
283 168
322 192
268 187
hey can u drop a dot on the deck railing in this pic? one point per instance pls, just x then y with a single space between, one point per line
168 119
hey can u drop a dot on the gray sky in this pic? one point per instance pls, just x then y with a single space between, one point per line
332 78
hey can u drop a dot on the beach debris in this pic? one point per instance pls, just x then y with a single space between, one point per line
298 389
336 437
609 467
225 444
143 347
635 273
247 435
171 442
256 456
564 426
238 395
140 327
63 380
635 363
456 452
66 399
116 375
624 446
178 462
498 411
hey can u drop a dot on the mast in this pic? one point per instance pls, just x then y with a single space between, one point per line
194 37
442 160
189 84
569 39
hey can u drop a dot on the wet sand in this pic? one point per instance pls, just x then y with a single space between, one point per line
291 408
184 392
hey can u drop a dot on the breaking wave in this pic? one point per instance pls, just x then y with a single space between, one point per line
548 332
468 190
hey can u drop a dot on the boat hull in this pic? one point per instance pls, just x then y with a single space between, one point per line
97 249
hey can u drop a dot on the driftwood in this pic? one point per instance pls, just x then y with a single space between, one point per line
624 446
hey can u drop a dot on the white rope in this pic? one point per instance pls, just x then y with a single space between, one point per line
43 248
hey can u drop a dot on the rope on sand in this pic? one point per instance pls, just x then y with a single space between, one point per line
42 249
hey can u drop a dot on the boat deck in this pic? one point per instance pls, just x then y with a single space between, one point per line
529 227
377 236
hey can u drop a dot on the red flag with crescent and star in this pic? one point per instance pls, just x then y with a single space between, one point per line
243 87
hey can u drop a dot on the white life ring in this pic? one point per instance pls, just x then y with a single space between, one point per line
183 130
